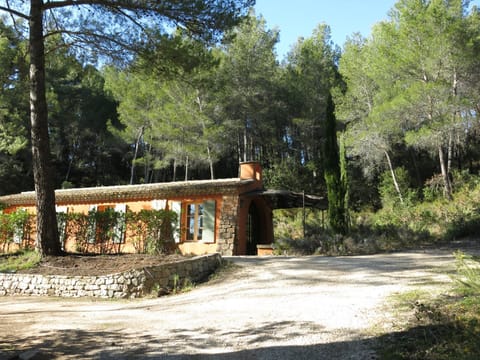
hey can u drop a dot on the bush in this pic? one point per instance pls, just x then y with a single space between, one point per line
389 195
150 231
15 228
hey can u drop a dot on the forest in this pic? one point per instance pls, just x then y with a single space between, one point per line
402 104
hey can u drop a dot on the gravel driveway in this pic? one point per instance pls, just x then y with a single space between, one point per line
269 308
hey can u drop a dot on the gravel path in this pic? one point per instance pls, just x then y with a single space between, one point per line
269 308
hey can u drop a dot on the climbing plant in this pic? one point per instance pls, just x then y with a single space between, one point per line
151 231
15 229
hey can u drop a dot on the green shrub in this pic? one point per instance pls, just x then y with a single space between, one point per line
388 193
15 228
152 230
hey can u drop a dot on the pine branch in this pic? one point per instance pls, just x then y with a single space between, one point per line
14 12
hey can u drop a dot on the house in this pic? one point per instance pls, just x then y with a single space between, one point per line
229 216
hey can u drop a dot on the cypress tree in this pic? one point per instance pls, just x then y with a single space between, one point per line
335 186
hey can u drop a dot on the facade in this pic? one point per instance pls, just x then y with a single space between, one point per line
228 216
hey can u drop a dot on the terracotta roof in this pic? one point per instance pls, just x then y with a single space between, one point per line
134 192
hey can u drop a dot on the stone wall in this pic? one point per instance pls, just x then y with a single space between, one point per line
228 225
130 284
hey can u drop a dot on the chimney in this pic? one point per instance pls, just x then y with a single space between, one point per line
250 170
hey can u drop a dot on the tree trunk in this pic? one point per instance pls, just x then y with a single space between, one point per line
47 232
70 162
135 154
447 186
186 168
394 178
174 169
210 164
210 161
450 154
245 144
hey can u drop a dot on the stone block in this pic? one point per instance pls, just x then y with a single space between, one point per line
23 285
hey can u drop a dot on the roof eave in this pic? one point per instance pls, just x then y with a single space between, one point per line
133 192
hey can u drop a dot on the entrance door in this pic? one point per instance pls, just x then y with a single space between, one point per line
253 229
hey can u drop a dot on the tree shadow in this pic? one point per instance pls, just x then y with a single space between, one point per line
207 345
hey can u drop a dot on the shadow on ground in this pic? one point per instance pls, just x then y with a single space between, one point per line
76 344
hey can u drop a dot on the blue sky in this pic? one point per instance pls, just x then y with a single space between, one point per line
296 18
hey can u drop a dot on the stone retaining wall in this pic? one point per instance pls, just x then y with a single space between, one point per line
131 284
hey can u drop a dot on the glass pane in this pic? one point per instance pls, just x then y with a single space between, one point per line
208 228
200 221
190 221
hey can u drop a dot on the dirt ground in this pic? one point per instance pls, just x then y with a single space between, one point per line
263 308
82 265
266 308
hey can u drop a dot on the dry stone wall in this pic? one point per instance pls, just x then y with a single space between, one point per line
131 284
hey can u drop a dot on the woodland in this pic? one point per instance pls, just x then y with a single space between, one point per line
386 125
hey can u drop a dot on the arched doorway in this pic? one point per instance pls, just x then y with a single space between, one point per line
253 229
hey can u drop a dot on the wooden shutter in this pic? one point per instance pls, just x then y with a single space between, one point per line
176 207
119 229
62 224
159 204
208 234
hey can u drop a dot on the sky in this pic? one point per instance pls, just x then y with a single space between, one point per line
298 18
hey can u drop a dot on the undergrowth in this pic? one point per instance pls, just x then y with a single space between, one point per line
412 224
20 261
442 327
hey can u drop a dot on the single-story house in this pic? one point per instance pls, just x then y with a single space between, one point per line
229 216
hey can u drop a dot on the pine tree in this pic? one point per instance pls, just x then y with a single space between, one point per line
115 28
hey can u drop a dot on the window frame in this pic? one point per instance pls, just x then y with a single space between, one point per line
202 221
194 221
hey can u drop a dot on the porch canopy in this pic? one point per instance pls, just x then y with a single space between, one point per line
285 199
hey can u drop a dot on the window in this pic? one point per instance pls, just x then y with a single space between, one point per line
194 222
200 221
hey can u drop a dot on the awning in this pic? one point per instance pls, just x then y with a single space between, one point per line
285 199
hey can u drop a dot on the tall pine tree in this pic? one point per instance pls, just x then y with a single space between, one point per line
114 28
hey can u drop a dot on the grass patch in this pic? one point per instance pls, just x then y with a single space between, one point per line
439 327
19 261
